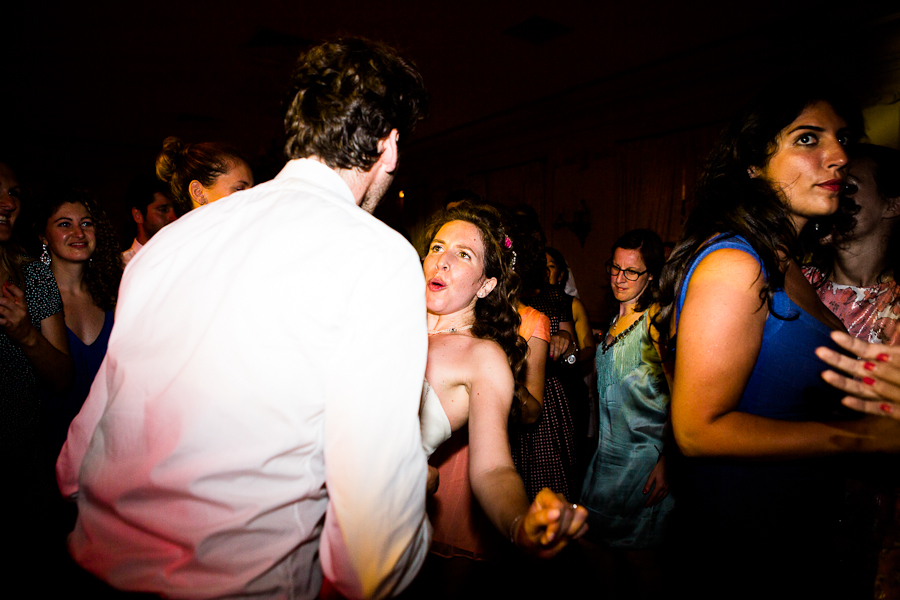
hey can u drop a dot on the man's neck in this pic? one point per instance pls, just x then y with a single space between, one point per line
357 180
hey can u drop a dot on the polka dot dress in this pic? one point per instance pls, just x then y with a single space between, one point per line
19 404
544 453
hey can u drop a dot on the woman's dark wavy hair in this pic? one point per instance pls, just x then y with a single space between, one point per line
496 317
649 244
561 264
104 270
347 95
730 201
178 164
886 173
531 258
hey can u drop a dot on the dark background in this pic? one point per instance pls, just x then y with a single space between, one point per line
597 114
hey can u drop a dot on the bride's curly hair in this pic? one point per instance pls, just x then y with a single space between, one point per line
496 317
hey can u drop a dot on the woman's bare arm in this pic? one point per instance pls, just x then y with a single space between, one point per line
584 333
719 338
493 477
531 395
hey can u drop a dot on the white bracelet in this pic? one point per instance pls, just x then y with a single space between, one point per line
512 529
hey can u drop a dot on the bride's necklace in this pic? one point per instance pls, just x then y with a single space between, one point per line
449 330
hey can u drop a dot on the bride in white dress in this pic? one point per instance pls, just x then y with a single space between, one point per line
473 351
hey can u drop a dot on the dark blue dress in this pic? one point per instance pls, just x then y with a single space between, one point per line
60 409
766 527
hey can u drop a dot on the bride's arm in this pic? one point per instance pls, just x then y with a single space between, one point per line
493 477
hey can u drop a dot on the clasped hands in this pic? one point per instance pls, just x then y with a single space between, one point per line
548 526
14 313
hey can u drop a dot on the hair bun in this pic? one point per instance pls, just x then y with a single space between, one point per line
170 158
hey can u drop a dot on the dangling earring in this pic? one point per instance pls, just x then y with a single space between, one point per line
45 256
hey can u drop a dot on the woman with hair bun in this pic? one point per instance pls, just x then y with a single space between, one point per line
201 173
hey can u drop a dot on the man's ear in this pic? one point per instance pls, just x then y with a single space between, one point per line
196 191
137 216
753 172
893 208
390 154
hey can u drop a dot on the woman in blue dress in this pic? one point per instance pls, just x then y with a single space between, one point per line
625 489
757 487
79 246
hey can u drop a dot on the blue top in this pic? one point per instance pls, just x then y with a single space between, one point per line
60 409
633 408
789 505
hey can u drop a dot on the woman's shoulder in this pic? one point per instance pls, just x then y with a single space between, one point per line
729 264
722 252
39 278
487 350
41 291
534 323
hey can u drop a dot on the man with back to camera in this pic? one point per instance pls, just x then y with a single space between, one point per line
152 208
251 427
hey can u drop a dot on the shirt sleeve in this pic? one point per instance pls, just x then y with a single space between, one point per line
376 536
542 327
41 292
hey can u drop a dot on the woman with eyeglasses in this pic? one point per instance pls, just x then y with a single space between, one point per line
626 490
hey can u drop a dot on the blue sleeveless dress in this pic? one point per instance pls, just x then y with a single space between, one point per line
765 524
60 409
633 398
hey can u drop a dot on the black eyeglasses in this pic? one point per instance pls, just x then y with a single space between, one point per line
630 274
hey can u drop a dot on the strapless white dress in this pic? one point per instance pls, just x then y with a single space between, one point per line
433 420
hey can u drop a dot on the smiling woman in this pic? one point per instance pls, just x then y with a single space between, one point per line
33 351
79 245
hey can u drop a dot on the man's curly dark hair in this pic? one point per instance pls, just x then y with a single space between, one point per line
347 95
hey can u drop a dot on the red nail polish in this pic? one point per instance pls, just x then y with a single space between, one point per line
886 408
868 381
869 366
883 357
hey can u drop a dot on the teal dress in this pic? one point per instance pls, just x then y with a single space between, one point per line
633 409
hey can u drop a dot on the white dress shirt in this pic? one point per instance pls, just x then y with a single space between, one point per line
127 255
257 410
